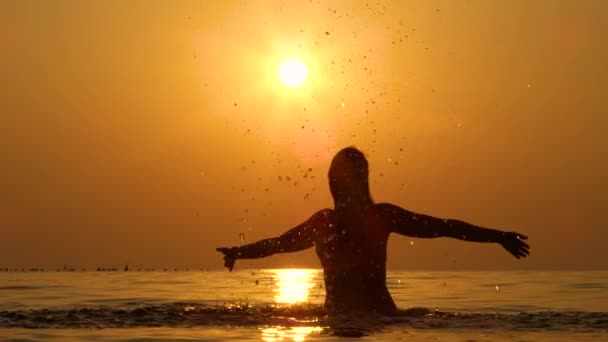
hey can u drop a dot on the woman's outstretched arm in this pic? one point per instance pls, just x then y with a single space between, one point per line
299 238
423 226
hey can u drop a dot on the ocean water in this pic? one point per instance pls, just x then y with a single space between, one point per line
286 305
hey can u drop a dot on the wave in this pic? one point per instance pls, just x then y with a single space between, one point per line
196 314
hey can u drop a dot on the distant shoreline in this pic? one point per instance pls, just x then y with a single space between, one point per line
117 269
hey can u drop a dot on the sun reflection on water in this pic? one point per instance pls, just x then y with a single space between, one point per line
293 285
294 333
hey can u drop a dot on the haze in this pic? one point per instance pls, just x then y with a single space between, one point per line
150 133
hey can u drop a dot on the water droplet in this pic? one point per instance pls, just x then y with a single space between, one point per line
242 237
411 243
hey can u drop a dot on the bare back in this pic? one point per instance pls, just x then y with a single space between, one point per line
352 249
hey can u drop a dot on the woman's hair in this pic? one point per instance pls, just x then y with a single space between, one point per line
348 177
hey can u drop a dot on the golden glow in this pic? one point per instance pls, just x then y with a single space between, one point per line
293 285
295 333
293 72
207 73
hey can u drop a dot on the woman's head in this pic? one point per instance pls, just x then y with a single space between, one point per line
348 177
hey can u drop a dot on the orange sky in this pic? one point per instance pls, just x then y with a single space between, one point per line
149 133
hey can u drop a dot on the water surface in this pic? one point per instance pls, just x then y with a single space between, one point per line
286 305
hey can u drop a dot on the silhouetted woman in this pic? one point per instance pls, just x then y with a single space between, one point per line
351 239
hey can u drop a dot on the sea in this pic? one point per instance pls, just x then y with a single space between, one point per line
286 305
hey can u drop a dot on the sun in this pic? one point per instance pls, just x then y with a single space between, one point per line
292 73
